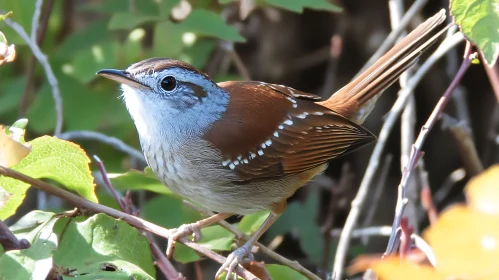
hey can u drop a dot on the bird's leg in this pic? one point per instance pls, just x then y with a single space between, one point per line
238 256
194 229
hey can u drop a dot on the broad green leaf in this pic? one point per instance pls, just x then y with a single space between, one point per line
128 21
166 6
87 62
30 221
50 158
298 5
215 238
143 7
106 108
22 13
300 219
199 53
91 34
479 21
101 247
136 180
250 223
169 211
283 272
34 262
168 39
208 23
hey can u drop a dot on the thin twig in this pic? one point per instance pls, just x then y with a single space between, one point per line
416 153
426 198
376 200
407 123
265 250
126 205
392 37
30 71
446 187
132 220
112 141
229 47
335 51
42 59
35 21
357 203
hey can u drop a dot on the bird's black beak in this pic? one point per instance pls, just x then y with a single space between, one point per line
122 77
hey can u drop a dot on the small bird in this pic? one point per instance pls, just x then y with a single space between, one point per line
241 147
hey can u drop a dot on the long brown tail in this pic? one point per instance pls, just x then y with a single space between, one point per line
356 100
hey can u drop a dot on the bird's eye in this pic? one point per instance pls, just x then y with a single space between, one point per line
168 83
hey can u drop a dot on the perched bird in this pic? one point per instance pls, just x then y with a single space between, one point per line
241 147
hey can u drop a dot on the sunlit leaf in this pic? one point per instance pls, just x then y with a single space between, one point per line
250 223
102 247
215 238
283 272
50 158
137 180
479 21
207 23
482 192
32 263
465 243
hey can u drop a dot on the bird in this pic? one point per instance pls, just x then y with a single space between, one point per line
239 147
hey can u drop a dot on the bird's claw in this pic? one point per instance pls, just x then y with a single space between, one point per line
239 256
182 231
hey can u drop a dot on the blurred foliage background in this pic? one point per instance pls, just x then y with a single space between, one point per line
280 41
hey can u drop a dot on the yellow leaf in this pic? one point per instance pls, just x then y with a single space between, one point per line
482 191
466 243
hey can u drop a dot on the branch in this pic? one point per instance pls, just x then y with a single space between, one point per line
126 206
242 236
132 220
9 241
493 74
42 59
416 153
406 19
112 141
388 125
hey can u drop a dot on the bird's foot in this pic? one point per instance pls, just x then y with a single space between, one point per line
183 231
239 256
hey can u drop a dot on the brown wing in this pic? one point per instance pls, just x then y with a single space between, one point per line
272 130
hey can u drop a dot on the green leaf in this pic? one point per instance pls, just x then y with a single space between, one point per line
91 34
208 23
101 247
50 158
168 39
479 21
136 180
283 272
300 219
30 221
34 262
298 5
128 21
87 62
22 14
169 211
250 223
166 6
215 238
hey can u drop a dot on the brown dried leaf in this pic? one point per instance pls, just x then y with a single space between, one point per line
7 53
482 191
